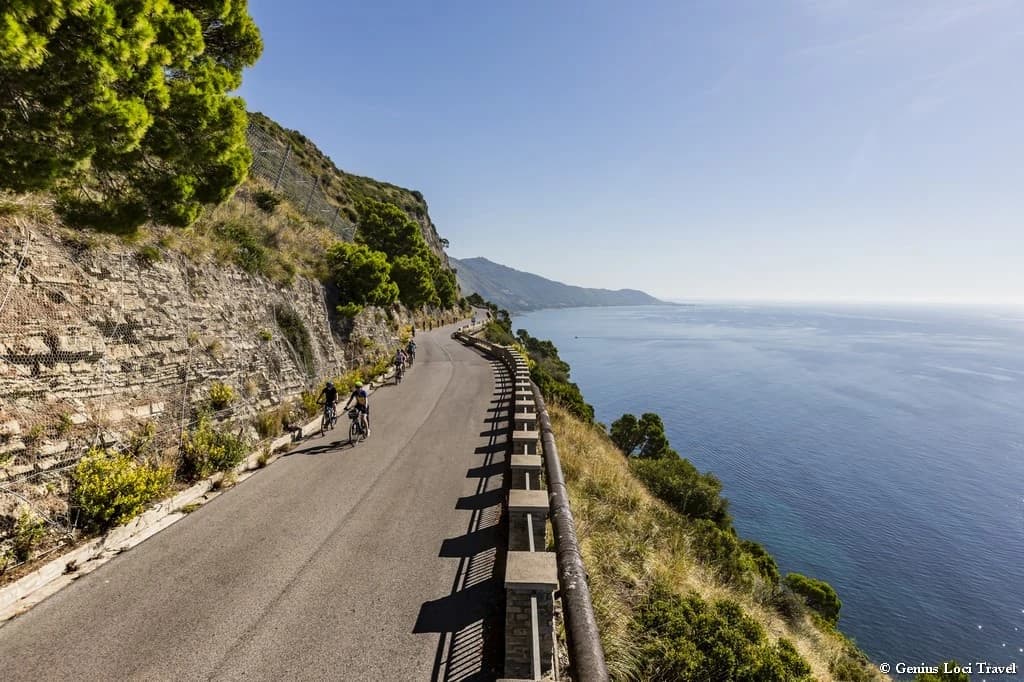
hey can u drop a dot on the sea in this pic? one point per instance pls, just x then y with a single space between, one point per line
879 448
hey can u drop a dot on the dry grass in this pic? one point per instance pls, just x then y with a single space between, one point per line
628 538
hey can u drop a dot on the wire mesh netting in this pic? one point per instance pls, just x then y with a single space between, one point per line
274 163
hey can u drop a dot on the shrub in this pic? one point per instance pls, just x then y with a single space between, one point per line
721 549
221 395
309 403
207 449
817 594
246 247
683 638
268 423
266 200
148 255
28 531
349 310
266 334
677 482
764 561
110 488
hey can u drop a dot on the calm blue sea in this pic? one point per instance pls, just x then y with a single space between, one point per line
878 448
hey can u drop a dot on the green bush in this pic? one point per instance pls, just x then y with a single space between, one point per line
310 406
28 531
148 255
266 200
764 561
110 488
207 449
677 482
818 595
266 334
247 247
686 638
269 423
721 548
349 310
221 395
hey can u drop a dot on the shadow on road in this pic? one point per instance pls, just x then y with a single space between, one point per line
470 620
319 449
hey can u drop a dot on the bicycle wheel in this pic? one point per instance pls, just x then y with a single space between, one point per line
353 431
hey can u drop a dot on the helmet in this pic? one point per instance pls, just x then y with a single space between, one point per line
330 384
359 384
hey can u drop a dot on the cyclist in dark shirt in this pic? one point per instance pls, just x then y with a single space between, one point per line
330 396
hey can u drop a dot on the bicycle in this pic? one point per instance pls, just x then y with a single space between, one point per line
329 420
357 427
399 372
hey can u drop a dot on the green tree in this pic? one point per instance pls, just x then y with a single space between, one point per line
386 228
361 274
445 284
121 107
818 595
644 437
415 282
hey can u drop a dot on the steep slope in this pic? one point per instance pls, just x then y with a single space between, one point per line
519 291
343 190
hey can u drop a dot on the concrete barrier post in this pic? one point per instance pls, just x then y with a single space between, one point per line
529 575
525 505
526 467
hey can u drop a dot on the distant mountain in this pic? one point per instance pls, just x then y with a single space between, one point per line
519 291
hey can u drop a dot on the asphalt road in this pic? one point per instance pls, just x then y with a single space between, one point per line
374 562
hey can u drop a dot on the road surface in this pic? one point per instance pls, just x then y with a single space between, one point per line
374 562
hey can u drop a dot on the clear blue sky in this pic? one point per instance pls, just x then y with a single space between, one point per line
793 149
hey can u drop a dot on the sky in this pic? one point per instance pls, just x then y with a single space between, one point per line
846 150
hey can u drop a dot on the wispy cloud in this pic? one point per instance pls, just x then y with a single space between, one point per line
891 23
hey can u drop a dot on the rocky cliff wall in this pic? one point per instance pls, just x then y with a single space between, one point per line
98 337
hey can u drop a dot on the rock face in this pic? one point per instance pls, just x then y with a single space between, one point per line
96 341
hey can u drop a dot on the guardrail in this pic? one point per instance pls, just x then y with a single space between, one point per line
531 576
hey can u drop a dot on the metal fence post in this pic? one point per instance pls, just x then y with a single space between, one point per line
316 183
280 171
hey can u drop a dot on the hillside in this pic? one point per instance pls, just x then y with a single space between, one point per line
339 189
519 291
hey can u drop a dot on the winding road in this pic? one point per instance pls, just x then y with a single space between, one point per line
375 562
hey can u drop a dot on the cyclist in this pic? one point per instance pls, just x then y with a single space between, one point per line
400 359
362 398
410 351
330 396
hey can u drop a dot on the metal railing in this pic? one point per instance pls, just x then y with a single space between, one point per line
586 654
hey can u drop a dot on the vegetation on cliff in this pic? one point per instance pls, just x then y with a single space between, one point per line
122 109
